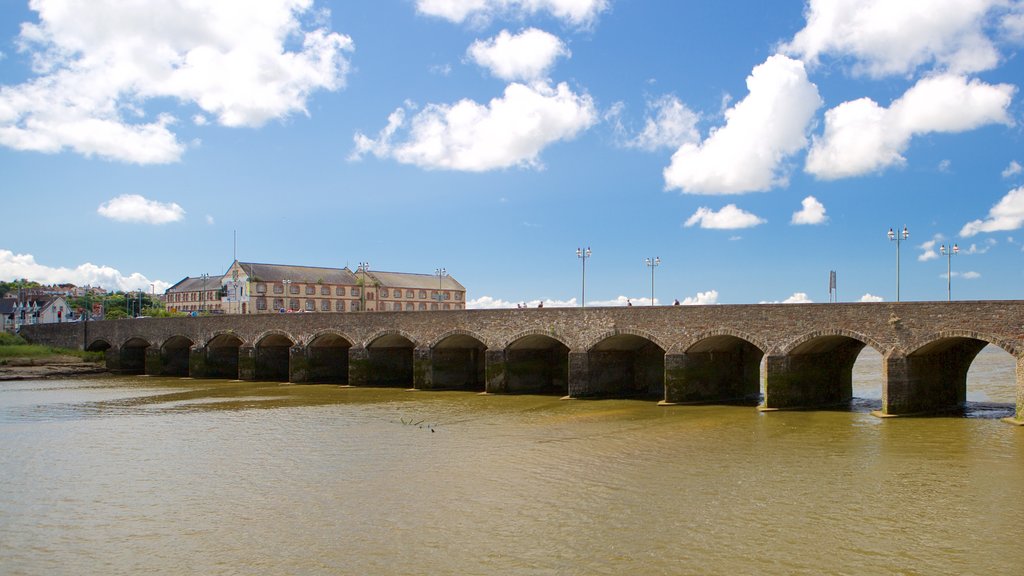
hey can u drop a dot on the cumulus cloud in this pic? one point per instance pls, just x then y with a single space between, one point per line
884 38
509 131
491 303
701 299
869 297
796 298
524 56
98 63
813 212
1013 169
928 249
668 124
135 208
760 132
579 13
1007 214
728 218
14 266
862 137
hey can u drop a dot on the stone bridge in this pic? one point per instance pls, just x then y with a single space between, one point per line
676 354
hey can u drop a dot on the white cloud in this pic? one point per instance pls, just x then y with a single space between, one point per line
1013 23
796 298
99 62
488 302
576 12
868 297
975 249
928 250
813 212
524 56
135 208
895 38
1013 169
701 299
862 137
14 266
1007 214
760 132
728 218
491 303
669 124
945 165
209 220
509 131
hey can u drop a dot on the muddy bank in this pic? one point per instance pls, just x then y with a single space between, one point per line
47 367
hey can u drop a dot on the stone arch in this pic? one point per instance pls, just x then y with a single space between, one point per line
457 361
536 362
222 337
174 354
99 345
220 355
325 360
386 336
930 374
720 365
136 342
625 332
272 349
389 359
132 355
551 334
625 363
815 369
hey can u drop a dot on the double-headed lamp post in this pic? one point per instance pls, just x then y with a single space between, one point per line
583 255
363 268
440 273
287 293
898 237
949 253
652 263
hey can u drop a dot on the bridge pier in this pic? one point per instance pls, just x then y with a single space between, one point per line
154 361
247 363
810 380
358 366
422 372
1018 417
495 365
579 375
221 362
931 380
112 359
713 376
326 364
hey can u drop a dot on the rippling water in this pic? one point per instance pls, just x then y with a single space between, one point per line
176 476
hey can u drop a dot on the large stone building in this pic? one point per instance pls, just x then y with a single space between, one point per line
253 288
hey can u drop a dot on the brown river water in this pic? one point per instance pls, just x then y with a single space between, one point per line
140 475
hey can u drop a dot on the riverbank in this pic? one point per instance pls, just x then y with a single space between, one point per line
51 366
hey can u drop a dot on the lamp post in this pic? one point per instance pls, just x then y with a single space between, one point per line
949 253
363 267
583 255
440 273
898 236
652 263
202 299
287 292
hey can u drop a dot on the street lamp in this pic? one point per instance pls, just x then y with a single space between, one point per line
202 299
440 273
583 255
898 236
652 263
287 292
363 267
949 276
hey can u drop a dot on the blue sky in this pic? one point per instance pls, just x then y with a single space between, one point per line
752 146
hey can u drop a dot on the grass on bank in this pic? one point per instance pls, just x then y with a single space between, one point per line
14 346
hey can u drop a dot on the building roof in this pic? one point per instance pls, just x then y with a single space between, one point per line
414 281
189 284
7 305
304 274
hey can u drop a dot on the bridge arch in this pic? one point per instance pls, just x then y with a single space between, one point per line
272 355
389 359
99 345
457 361
174 354
815 368
828 338
536 362
133 355
720 365
625 363
545 334
391 337
326 358
219 358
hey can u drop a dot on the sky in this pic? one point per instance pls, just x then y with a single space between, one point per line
752 147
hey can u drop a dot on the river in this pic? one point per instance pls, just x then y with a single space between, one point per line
141 475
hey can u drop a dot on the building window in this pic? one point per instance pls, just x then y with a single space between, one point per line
423 305
261 303
433 306
447 295
339 291
410 306
278 289
383 292
325 305
293 304
293 289
458 295
355 292
278 303
423 294
261 288
310 305
409 294
355 306
325 290
310 290
339 305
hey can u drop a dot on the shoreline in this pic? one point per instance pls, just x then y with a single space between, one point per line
58 366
